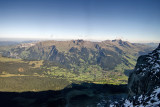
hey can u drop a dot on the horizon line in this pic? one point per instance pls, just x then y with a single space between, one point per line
68 39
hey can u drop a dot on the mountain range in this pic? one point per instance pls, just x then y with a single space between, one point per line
107 54
106 62
58 65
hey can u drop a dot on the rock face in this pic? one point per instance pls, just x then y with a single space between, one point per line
144 81
146 74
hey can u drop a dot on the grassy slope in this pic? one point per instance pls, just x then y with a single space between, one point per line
18 75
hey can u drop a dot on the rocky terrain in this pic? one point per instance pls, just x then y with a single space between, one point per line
144 82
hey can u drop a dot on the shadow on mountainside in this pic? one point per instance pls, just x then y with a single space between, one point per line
74 95
127 72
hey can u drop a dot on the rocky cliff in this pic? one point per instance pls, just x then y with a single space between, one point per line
144 82
146 74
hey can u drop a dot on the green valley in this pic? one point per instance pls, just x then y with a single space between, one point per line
53 65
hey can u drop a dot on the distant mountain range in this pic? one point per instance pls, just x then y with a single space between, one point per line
74 61
151 44
107 54
9 43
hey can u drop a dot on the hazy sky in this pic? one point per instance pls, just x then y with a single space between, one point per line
133 20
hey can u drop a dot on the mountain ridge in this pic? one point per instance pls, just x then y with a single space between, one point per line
107 62
65 52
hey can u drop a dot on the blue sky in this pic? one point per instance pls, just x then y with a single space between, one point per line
132 20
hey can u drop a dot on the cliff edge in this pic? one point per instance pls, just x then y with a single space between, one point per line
144 82
146 74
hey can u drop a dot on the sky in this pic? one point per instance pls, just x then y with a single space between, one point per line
131 20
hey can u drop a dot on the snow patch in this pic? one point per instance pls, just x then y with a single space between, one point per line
128 103
158 51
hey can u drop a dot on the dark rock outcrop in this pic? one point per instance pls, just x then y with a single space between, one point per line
144 82
146 74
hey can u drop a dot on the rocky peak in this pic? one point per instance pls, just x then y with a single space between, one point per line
78 42
122 43
117 40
